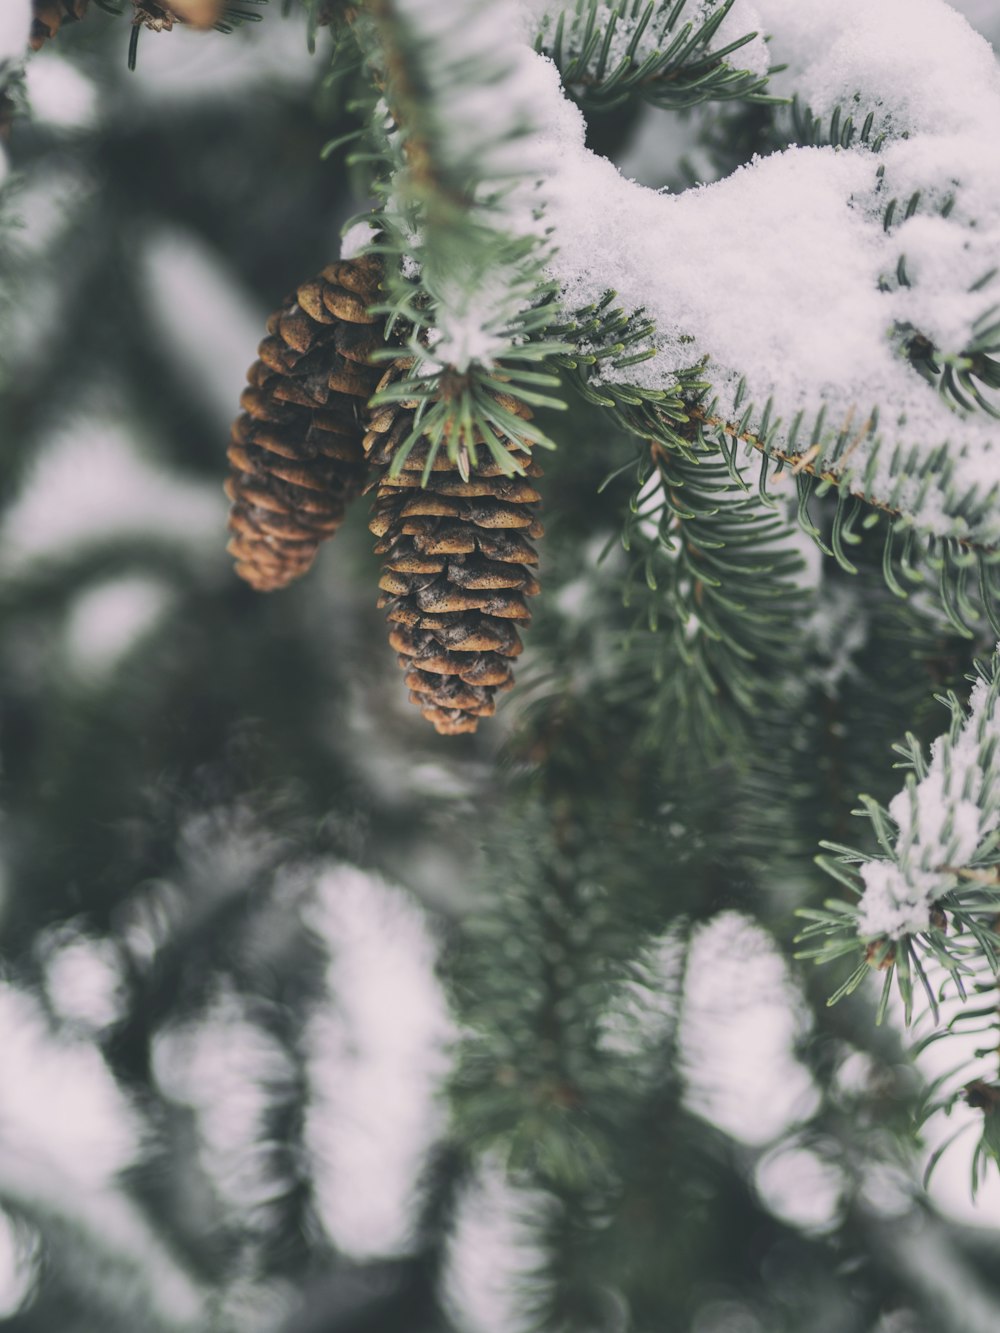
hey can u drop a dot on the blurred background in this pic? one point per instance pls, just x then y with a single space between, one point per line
311 1020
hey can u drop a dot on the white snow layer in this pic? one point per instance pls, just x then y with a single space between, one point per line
378 1055
784 275
15 21
942 819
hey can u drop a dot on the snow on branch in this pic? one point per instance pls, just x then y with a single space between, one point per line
673 54
932 894
459 86
843 299
946 817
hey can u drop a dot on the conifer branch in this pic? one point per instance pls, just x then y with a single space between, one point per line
713 562
663 51
468 296
928 902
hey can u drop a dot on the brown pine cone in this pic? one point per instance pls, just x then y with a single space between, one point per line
296 451
50 15
458 567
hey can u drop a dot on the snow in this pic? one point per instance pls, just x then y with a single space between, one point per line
204 312
84 982
917 63
90 484
230 1071
942 821
15 21
743 1017
20 1264
377 1050
60 93
480 142
106 621
61 1111
494 1261
784 274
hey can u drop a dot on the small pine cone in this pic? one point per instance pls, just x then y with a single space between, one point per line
50 15
296 454
458 566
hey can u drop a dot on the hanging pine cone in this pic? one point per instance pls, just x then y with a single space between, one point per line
50 15
296 451
458 567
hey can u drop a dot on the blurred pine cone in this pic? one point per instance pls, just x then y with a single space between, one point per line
458 565
48 16
296 454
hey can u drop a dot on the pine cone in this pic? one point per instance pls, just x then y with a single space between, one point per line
296 452
457 567
50 15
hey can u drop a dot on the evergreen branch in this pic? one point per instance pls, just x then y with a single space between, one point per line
684 418
819 468
651 50
968 379
467 297
713 563
928 901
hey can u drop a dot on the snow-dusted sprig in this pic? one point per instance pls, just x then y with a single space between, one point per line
932 893
839 129
464 290
668 52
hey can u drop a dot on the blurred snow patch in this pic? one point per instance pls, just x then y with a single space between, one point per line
643 1013
47 204
15 20
206 316
63 1118
229 1070
800 1187
742 1018
188 66
494 1253
59 92
105 622
355 238
90 484
378 1055
83 977
19 1264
